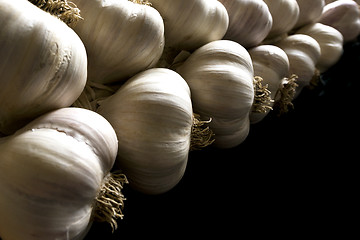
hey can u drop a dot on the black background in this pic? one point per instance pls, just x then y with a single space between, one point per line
293 176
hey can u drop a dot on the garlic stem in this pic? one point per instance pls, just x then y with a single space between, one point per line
110 200
64 10
262 99
315 81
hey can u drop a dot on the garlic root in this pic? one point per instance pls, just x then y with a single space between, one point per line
201 134
262 99
286 95
64 10
141 2
110 200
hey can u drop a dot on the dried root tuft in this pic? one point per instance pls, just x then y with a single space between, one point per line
62 9
287 93
262 99
141 2
201 134
110 200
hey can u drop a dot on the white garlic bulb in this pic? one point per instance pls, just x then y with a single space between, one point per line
122 38
271 64
220 76
54 177
310 11
330 41
250 21
344 16
303 52
152 116
285 14
43 64
189 24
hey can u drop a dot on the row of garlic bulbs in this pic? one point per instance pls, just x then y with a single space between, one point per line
60 162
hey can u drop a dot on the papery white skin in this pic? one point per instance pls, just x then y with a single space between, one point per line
51 172
220 76
344 16
250 21
303 52
330 41
122 38
43 64
152 116
310 11
189 24
271 64
285 14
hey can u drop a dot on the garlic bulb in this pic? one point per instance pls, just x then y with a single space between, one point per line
344 16
152 116
285 14
122 38
310 11
330 41
272 64
54 177
42 64
220 76
189 24
303 52
250 21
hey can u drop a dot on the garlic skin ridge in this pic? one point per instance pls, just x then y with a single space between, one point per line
122 38
43 64
51 172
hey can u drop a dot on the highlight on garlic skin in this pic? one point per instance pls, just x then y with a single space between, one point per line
55 177
310 11
220 75
285 14
122 38
303 52
153 118
331 44
344 16
43 64
250 21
